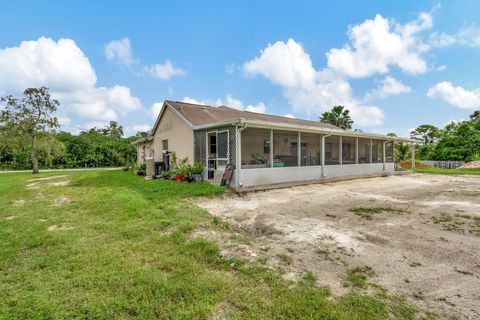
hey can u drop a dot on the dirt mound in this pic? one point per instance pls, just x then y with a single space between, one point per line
407 164
471 165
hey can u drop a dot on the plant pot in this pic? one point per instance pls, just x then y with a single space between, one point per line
179 178
198 177
190 179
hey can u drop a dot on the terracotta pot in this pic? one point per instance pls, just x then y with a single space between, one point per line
179 178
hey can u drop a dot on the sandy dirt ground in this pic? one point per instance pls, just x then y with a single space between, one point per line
419 233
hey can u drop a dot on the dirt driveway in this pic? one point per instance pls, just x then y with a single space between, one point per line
419 233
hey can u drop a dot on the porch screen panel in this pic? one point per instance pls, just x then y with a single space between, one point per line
285 144
377 151
332 150
363 150
389 152
255 148
348 150
222 145
311 151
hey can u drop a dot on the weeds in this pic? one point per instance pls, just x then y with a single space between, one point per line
368 212
358 276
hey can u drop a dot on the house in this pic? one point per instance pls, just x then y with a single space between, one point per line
265 149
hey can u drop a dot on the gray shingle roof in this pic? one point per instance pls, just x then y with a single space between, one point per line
198 115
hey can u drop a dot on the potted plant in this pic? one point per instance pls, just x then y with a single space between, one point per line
197 171
181 169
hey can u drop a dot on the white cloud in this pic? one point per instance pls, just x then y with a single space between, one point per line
63 67
120 51
386 88
309 91
377 44
289 115
163 71
441 68
468 36
155 110
285 64
229 101
456 96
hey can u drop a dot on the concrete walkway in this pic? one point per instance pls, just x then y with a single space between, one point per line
59 170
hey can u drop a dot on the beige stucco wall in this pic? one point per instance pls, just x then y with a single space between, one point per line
144 150
178 133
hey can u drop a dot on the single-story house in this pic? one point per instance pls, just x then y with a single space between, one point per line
264 149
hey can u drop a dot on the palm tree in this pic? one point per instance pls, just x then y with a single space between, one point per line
338 116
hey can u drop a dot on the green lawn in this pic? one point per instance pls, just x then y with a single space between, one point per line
448 171
110 245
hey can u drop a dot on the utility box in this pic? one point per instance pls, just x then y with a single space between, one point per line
149 168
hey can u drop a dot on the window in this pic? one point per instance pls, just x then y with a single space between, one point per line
212 145
389 152
285 147
377 151
310 153
332 150
255 148
363 150
348 150
165 145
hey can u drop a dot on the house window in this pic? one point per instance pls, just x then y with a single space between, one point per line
310 153
285 144
212 138
165 145
222 145
255 148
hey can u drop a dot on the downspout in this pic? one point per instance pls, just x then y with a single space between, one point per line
323 153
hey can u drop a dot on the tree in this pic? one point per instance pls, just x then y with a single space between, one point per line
113 130
475 116
31 116
338 116
427 133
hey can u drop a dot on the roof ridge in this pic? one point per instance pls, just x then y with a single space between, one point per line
191 103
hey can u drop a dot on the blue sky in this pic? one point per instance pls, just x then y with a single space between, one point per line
395 65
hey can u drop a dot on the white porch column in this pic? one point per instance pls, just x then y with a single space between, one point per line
340 150
322 156
271 148
383 154
371 149
299 149
238 155
356 150
413 156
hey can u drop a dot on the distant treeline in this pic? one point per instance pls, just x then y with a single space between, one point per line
92 148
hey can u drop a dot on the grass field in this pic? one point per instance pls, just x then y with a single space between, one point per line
448 171
110 245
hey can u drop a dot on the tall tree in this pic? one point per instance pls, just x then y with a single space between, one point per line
113 130
31 115
338 116
427 133
475 116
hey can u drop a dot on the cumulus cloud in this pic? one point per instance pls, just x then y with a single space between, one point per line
229 101
455 95
163 71
62 66
468 36
386 88
376 45
120 51
289 115
155 109
310 92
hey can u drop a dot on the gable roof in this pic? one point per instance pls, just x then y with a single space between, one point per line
198 115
